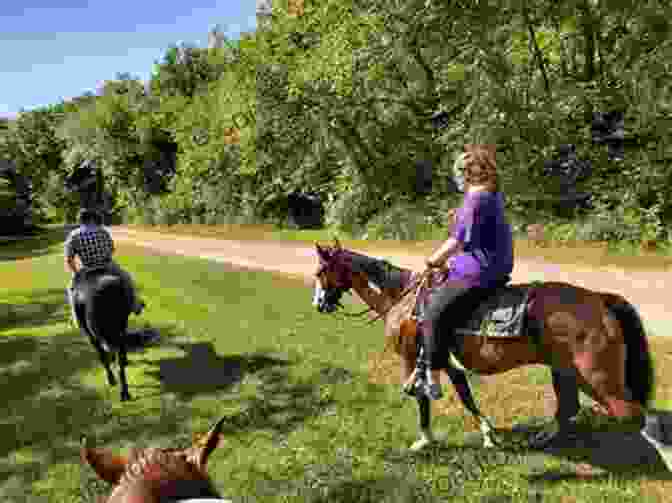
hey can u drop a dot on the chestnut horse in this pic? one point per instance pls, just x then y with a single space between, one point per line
158 475
592 341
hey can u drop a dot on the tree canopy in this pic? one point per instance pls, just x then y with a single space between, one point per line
335 97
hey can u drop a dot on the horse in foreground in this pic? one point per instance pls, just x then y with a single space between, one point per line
158 475
592 341
102 308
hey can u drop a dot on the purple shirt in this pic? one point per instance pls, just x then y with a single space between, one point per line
485 234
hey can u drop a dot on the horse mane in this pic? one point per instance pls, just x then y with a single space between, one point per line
168 469
379 271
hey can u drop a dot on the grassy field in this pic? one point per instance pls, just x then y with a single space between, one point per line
578 253
315 413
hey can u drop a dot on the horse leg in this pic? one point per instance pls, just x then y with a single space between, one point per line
604 373
461 384
566 387
104 358
425 416
123 362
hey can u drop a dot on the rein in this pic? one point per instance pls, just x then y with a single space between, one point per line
416 285
344 314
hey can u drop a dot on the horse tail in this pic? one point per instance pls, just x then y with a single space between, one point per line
108 309
639 374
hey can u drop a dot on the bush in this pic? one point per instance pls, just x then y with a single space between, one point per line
407 222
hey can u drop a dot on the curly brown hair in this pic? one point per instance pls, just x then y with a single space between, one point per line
480 166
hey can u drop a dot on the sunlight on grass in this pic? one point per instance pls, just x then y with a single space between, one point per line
314 410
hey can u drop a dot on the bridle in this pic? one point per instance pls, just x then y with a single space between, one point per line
344 286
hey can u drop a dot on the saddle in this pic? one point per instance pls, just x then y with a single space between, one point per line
86 274
502 314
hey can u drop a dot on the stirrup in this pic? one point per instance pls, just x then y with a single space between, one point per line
419 374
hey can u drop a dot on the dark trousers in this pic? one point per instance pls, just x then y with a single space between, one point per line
453 303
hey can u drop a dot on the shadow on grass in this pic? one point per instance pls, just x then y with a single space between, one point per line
46 410
387 489
601 454
281 401
34 245
47 306
201 370
594 454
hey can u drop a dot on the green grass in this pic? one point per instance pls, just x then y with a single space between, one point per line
309 421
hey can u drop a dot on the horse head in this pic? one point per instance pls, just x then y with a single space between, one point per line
156 475
333 277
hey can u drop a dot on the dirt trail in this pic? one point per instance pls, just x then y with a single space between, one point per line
646 289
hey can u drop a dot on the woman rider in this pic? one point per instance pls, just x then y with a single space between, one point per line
481 259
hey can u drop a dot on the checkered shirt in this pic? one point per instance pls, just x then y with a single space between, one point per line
92 243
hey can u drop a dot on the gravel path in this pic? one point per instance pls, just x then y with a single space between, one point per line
645 289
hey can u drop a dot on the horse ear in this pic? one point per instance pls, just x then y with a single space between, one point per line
107 465
211 443
491 149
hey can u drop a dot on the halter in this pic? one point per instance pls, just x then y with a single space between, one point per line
344 284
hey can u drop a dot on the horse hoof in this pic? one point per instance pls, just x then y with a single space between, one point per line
550 439
659 428
125 397
488 443
420 444
543 440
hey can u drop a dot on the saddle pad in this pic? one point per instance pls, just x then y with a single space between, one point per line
500 315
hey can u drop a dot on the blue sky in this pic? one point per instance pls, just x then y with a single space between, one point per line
54 49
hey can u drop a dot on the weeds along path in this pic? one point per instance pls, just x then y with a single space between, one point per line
650 291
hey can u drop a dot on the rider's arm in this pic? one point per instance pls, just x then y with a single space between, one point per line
448 248
70 253
70 265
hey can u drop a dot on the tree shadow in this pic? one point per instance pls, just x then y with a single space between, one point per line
281 404
36 245
594 453
201 370
45 410
601 454
346 489
47 307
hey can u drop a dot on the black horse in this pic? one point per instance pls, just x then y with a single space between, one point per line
102 306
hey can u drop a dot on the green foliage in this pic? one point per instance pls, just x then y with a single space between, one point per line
337 101
406 222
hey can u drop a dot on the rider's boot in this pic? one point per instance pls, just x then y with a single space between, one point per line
138 306
428 383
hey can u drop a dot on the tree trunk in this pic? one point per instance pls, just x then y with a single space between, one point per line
589 38
537 52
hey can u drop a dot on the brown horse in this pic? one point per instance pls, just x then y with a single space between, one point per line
592 341
158 475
